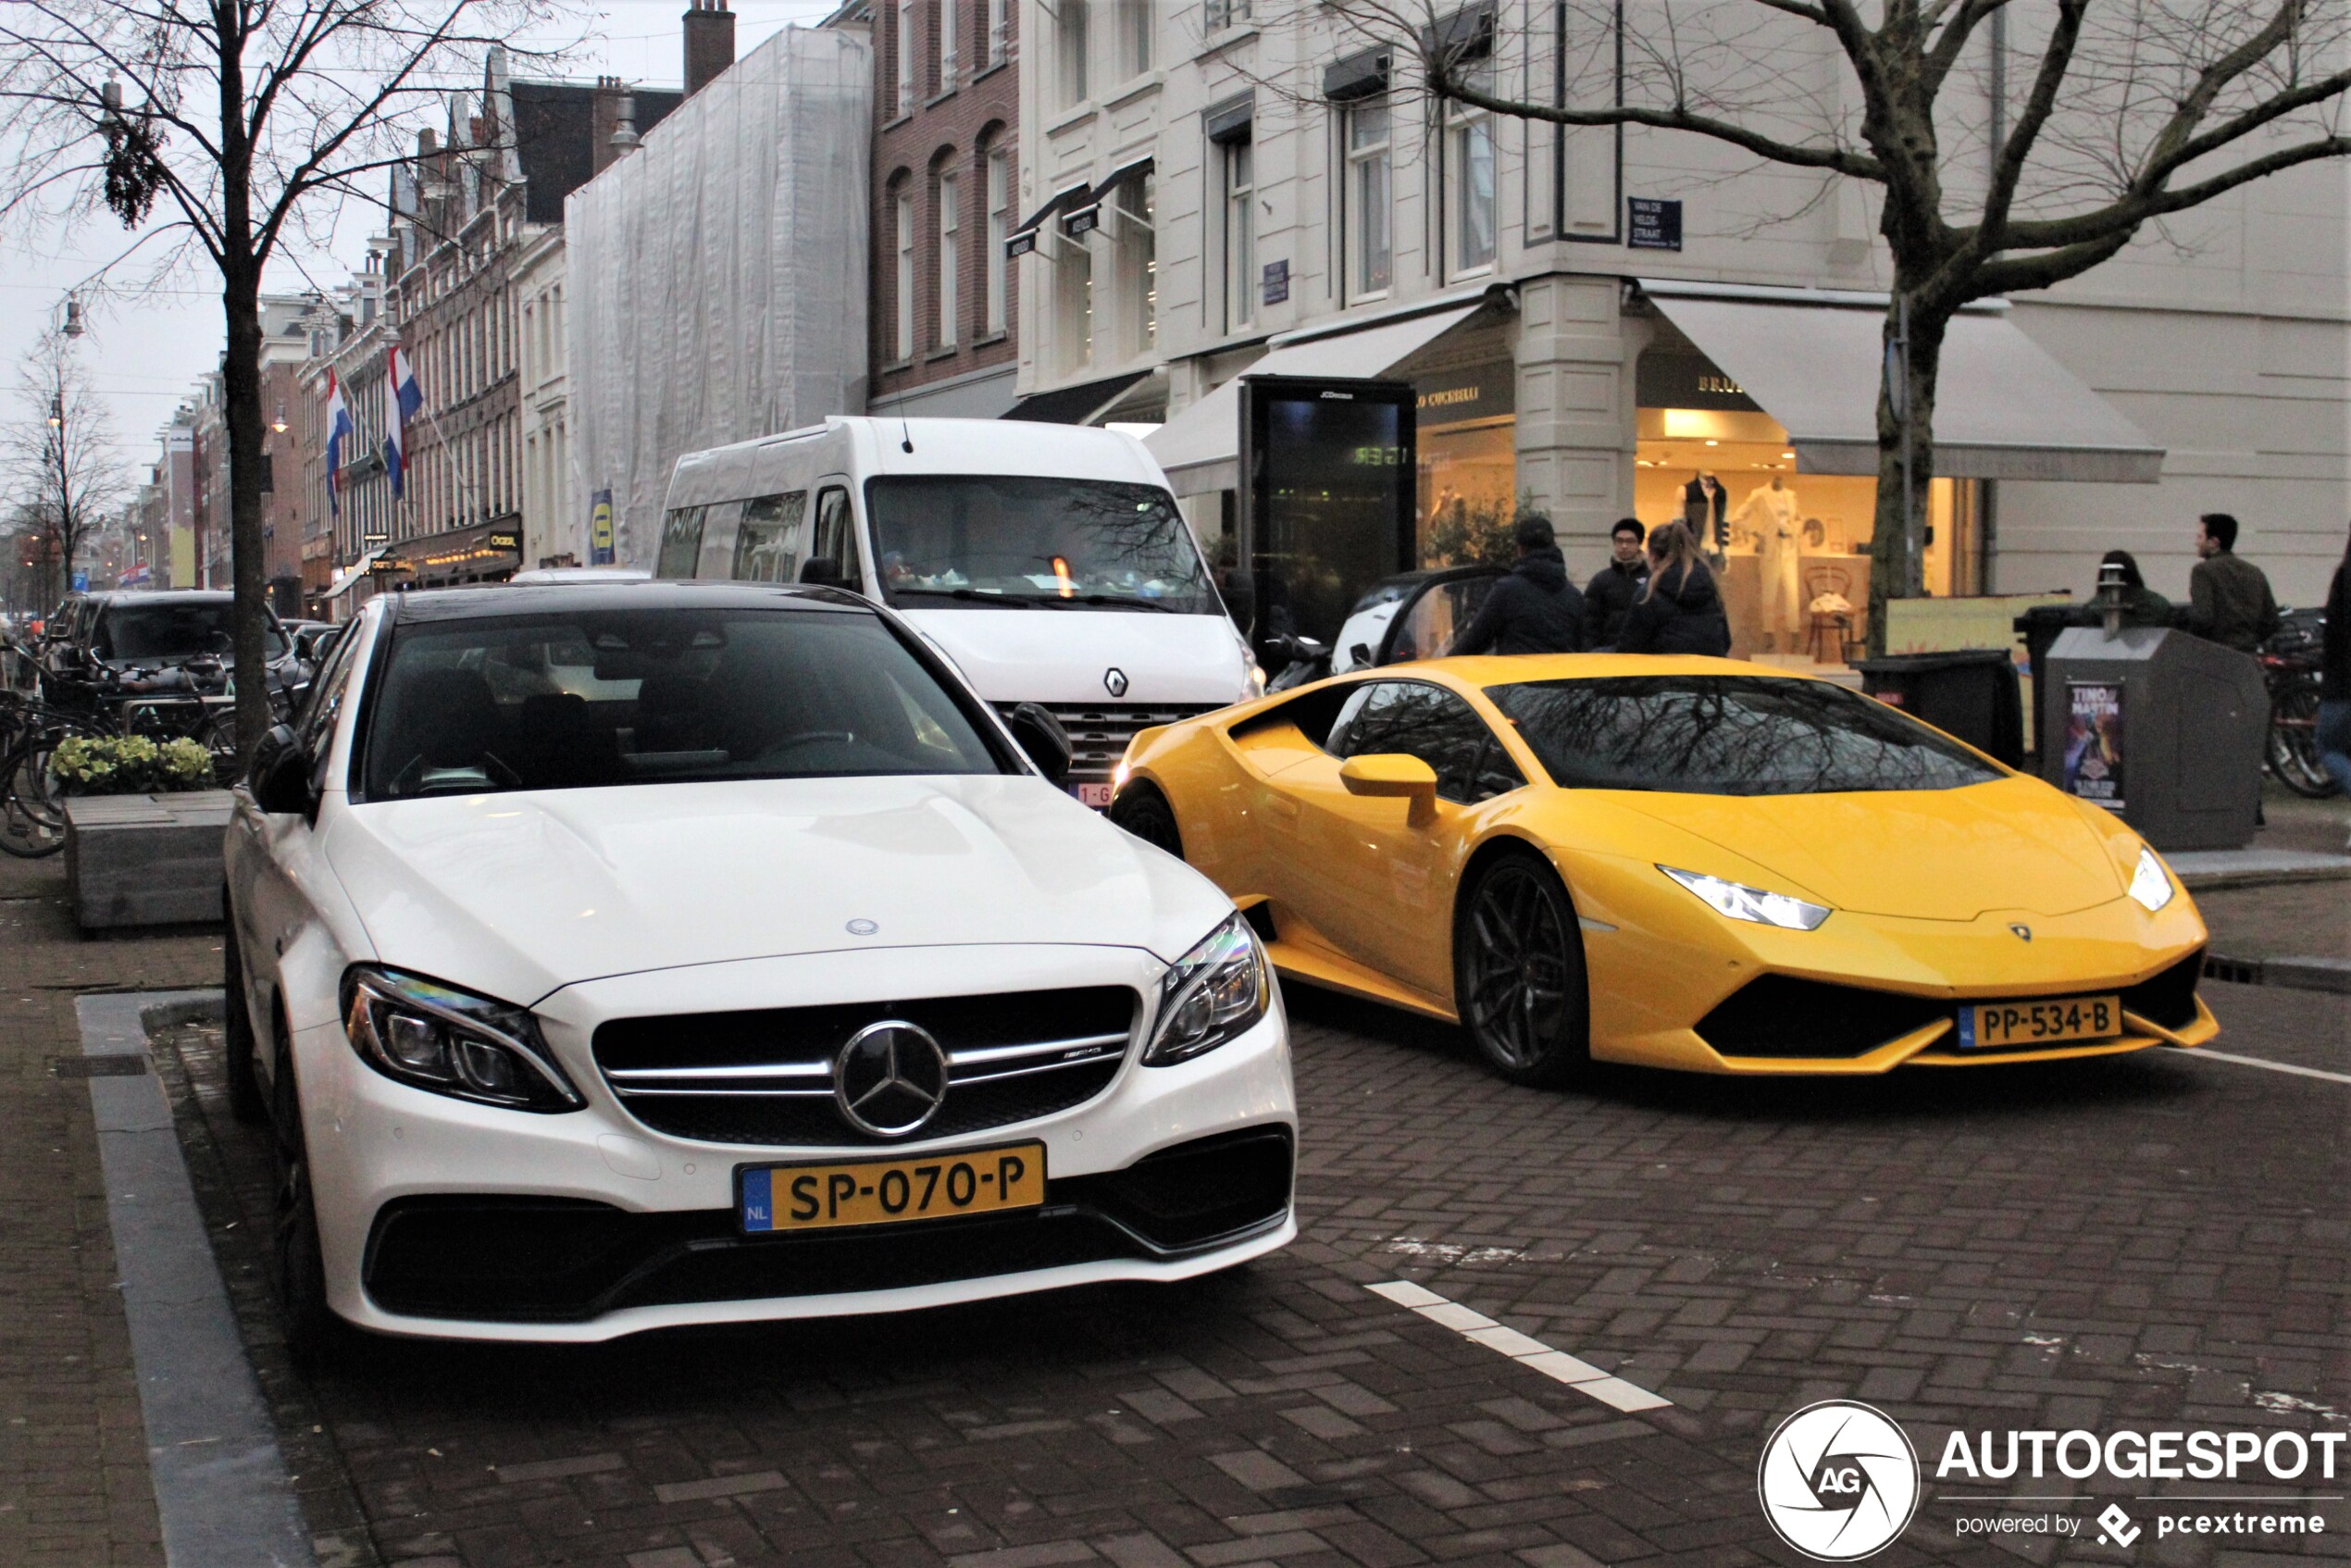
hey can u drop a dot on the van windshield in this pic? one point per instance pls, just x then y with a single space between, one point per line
944 541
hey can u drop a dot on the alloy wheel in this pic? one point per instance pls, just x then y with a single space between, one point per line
1521 983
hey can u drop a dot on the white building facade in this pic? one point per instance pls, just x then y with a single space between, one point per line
552 502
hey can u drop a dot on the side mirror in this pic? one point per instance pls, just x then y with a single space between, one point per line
279 778
1042 736
823 571
1394 774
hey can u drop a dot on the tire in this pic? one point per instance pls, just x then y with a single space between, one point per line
1144 811
245 1100
217 735
31 823
315 1338
1519 980
2294 743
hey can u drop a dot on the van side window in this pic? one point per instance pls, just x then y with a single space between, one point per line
767 550
832 551
680 544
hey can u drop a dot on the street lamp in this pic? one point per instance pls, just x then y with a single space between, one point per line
57 412
278 424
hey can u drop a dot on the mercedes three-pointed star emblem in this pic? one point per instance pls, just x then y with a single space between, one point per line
889 1078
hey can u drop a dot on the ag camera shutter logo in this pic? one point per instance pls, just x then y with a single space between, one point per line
1839 1481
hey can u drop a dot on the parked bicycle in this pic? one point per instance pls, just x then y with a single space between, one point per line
2290 664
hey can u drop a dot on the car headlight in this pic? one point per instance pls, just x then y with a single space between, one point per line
1735 901
452 1042
1212 995
2149 885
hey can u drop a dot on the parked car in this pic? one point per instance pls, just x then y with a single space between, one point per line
617 957
111 645
1679 862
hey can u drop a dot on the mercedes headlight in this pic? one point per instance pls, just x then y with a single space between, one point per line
452 1042
1735 901
1213 993
2149 884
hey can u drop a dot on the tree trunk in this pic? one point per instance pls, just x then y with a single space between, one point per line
241 396
1896 570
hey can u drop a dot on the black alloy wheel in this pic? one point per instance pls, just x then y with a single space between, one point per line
1144 811
237 1039
1519 980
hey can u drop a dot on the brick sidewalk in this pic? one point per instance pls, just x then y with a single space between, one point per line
74 1489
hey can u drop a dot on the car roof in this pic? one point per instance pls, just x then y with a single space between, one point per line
484 602
1510 669
161 596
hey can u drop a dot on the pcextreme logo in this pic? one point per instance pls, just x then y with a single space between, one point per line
1839 1480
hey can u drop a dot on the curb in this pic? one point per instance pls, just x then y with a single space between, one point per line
2298 974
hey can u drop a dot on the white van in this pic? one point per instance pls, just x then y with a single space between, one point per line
1048 561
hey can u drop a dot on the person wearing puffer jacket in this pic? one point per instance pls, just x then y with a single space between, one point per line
1680 612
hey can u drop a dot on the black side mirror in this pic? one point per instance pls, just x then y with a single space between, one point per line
1042 737
823 571
279 777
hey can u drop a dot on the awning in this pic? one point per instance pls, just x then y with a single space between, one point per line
1023 239
1081 405
353 572
2004 409
1200 447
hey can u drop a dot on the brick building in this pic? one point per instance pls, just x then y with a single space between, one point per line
946 193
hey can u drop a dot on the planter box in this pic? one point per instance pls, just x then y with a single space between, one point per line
145 860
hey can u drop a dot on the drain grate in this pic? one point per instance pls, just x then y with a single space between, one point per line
114 1064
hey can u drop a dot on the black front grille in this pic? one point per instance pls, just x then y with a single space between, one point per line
2167 999
540 1259
1099 731
1014 1057
1779 1015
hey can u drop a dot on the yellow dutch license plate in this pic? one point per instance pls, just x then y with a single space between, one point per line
927 1187
1996 1025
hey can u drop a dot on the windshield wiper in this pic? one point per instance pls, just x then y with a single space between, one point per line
1124 601
963 595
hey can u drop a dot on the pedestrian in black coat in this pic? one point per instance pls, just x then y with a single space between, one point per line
1610 595
1679 612
1534 610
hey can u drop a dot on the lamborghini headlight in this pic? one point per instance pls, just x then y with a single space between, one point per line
2150 885
1213 993
1735 901
437 1037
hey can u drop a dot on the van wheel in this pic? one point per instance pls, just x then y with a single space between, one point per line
245 1102
1519 981
1144 811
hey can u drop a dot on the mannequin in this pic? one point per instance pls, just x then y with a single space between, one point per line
1704 495
1770 510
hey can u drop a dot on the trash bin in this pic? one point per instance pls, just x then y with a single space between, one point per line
2040 625
1971 694
2162 728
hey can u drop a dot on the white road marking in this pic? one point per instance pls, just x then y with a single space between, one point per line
2274 1066
1528 1351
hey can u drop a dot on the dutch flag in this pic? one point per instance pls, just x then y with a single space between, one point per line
338 427
407 398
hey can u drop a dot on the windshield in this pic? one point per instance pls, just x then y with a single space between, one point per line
1730 735
139 633
594 698
1073 544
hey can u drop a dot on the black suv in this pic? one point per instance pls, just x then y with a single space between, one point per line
107 647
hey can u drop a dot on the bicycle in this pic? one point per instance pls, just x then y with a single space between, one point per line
2290 667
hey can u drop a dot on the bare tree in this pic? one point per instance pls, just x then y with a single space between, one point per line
245 118
2116 115
61 460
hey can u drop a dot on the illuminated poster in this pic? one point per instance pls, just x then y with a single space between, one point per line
2094 742
600 530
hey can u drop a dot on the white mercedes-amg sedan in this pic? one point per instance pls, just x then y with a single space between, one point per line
603 958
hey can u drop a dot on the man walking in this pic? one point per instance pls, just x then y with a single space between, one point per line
1534 610
1610 598
2229 598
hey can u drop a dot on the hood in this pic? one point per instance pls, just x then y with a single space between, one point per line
1067 656
1928 854
1547 568
518 894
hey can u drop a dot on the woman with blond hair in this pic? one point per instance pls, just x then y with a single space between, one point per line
1680 612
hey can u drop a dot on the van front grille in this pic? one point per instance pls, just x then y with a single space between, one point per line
1099 731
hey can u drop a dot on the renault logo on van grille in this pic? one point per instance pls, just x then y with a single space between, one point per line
1114 681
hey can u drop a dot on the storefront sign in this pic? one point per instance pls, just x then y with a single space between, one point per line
1665 379
1476 392
506 539
1020 244
1277 281
600 530
1655 225
2094 742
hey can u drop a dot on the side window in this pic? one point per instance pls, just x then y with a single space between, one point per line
1434 725
834 540
767 549
318 721
720 521
680 544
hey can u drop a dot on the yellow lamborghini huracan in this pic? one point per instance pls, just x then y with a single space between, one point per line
1677 861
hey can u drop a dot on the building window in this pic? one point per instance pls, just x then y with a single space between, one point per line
1069 49
1134 37
1133 210
1371 207
1222 14
1000 228
906 342
949 39
1073 304
1240 237
905 56
1000 27
951 261
1469 142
